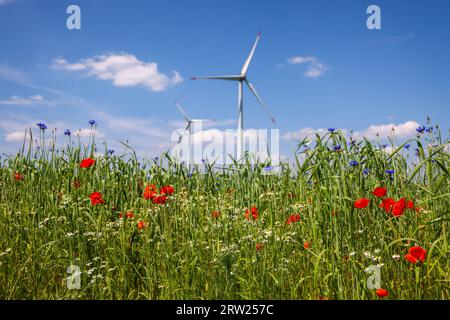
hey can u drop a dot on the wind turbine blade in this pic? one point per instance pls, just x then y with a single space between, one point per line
184 132
253 90
249 59
231 77
185 116
202 120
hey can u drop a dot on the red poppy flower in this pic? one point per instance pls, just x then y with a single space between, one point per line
379 192
215 214
159 200
87 163
18 177
387 204
96 198
381 293
150 191
294 218
168 190
416 254
410 204
141 225
120 215
259 246
254 212
129 215
399 207
361 203
306 245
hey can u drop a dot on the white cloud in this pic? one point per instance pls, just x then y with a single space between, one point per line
15 136
32 100
314 68
123 70
12 74
402 130
5 2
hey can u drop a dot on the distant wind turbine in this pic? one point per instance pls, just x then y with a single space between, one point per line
241 78
188 128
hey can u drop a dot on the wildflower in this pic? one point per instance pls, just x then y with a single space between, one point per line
399 207
254 212
337 147
429 129
129 215
416 254
259 246
215 214
141 225
384 146
160 199
18 176
410 204
167 190
387 204
67 133
407 146
391 172
87 163
150 191
361 203
268 168
421 129
41 126
381 293
92 122
379 192
306 245
293 218
96 198
331 130
365 172
354 163
110 151
396 257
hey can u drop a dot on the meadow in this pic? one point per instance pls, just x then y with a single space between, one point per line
156 229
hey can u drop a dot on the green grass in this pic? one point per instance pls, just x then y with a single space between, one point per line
48 223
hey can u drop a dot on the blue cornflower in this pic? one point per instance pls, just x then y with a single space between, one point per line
421 129
92 122
407 146
429 129
203 160
41 126
365 172
189 175
331 130
110 151
67 132
354 163
390 171
384 146
337 147
352 142
268 168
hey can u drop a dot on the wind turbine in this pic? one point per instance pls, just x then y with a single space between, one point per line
241 79
188 128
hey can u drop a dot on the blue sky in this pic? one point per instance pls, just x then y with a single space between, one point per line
317 66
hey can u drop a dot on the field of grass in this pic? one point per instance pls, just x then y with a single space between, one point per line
201 244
